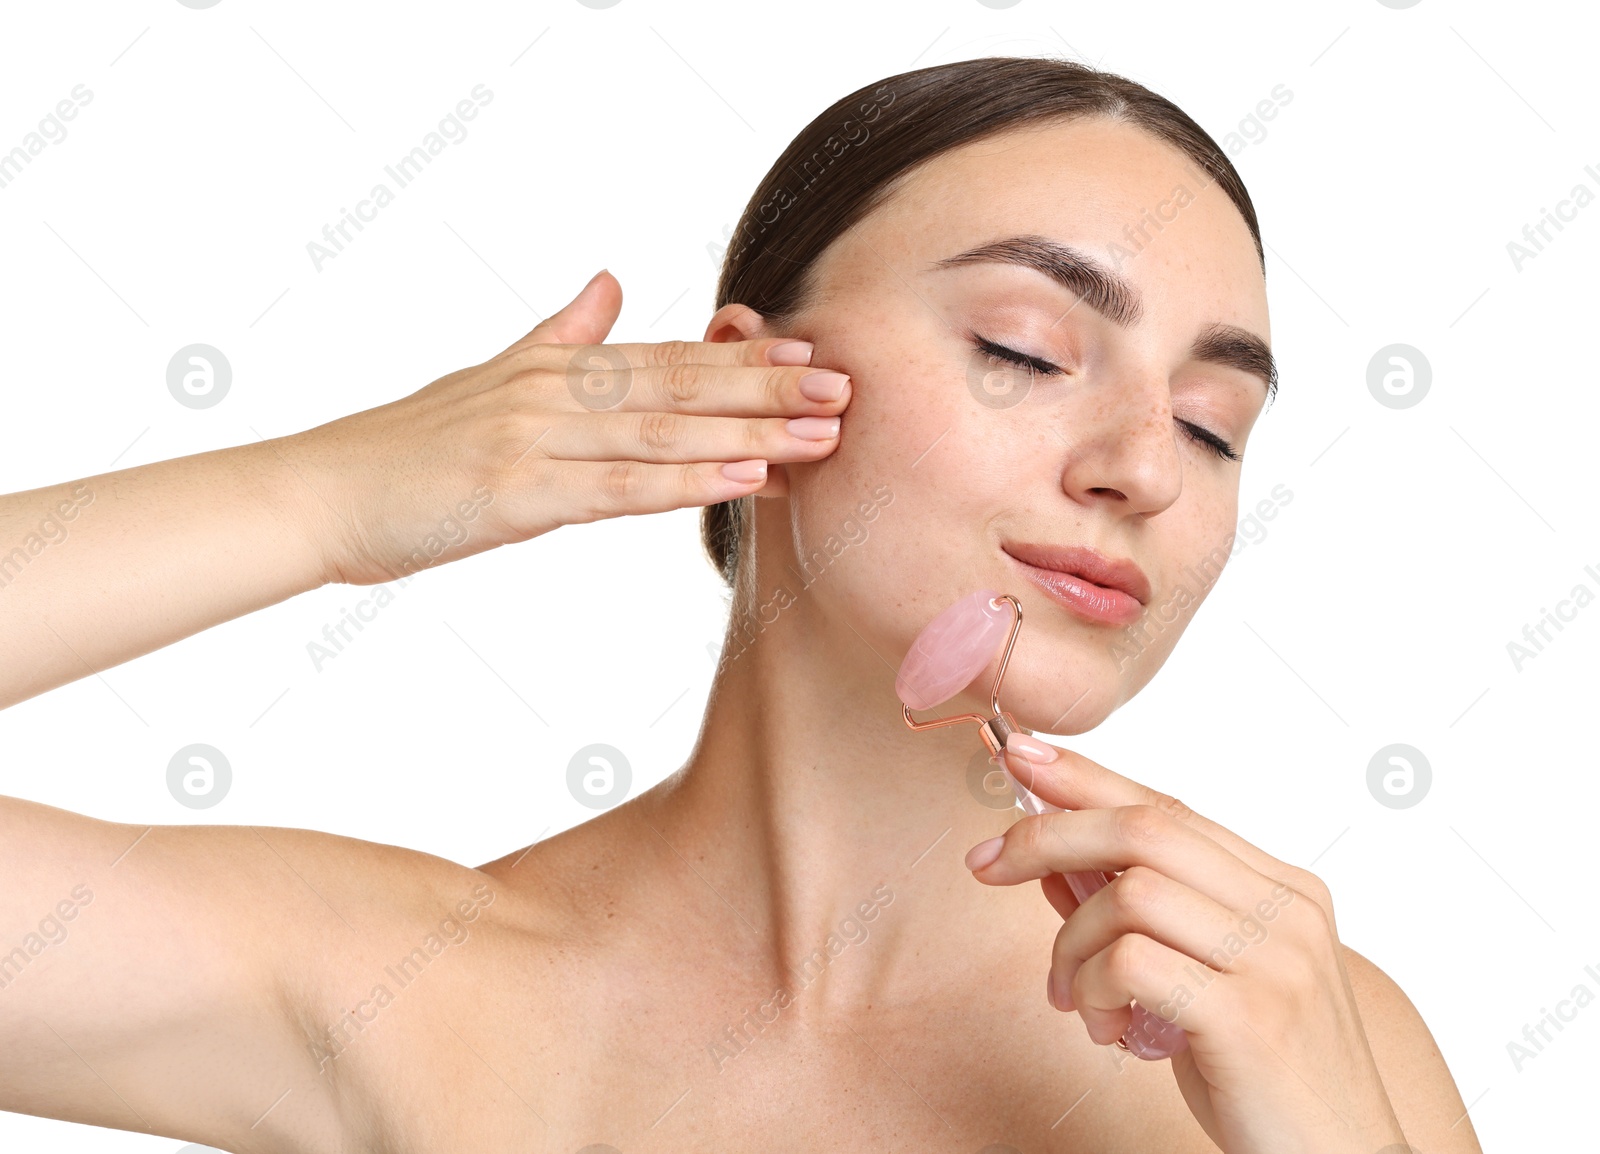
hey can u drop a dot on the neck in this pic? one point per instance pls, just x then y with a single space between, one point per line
826 824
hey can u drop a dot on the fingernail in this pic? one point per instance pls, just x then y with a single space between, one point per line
814 428
1050 989
790 353
984 852
1030 748
745 471
823 386
1060 994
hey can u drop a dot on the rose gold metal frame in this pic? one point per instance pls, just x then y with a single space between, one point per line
993 728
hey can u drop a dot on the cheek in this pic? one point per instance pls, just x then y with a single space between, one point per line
867 486
1193 561
1211 538
911 429
932 473
897 409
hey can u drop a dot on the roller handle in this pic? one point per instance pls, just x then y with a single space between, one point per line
1149 1036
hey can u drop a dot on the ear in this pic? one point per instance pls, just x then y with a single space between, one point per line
736 323
742 323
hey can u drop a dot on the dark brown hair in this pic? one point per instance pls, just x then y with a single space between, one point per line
848 160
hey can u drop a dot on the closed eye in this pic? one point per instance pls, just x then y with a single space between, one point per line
1209 439
1000 353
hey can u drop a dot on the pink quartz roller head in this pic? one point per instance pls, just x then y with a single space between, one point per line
945 658
952 650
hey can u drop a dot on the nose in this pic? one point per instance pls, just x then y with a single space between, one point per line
1121 445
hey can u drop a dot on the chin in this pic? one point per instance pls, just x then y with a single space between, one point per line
1053 691
1061 705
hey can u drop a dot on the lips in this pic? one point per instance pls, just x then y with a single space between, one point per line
1097 587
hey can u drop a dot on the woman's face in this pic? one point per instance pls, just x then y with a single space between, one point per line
970 461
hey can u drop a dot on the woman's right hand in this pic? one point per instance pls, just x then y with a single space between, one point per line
558 429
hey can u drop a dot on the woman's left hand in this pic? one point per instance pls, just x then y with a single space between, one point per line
1202 927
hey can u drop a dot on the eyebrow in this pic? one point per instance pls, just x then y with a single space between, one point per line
1114 298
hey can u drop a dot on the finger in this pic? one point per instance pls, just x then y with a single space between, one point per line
659 354
1159 978
1118 839
587 318
596 377
590 315
731 390
1072 781
663 438
591 491
1132 969
1059 894
584 320
1142 901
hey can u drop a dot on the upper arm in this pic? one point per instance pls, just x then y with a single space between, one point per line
171 979
1421 1089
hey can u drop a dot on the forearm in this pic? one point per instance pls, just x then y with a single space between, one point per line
98 571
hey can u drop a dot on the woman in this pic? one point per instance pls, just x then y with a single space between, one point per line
1035 294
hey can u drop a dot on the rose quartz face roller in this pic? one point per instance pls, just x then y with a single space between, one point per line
945 658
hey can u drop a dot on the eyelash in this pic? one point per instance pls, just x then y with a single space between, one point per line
1196 433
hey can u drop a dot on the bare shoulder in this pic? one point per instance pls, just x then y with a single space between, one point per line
450 1016
384 947
341 911
347 902
199 968
1421 1088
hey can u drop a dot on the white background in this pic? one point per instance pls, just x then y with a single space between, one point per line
1377 609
